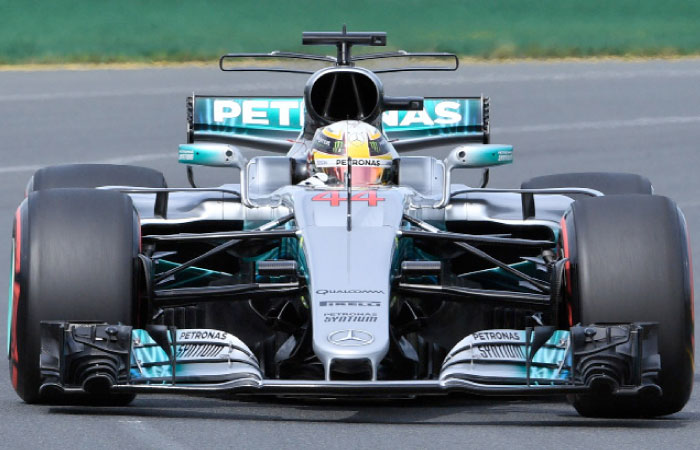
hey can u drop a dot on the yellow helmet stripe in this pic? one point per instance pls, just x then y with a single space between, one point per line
358 150
332 135
321 155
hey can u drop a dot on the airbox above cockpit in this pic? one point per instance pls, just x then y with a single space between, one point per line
338 94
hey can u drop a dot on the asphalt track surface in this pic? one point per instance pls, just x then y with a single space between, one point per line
641 117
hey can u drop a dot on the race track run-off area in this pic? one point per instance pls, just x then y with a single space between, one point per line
640 117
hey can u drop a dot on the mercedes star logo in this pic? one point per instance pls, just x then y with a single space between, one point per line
350 338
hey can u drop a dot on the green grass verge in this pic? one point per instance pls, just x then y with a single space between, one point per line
174 30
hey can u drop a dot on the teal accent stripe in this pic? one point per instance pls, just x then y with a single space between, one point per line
551 355
149 355
282 118
188 276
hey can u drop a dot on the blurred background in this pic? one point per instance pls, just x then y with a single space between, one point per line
46 31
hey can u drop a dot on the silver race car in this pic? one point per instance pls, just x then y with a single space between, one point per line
343 267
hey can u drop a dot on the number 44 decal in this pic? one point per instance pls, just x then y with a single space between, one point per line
334 198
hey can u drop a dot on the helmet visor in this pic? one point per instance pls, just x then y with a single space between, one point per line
350 142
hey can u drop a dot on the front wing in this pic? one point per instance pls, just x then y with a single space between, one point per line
100 358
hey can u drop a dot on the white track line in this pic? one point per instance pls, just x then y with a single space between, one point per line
608 124
463 77
121 160
603 124
87 94
590 75
41 96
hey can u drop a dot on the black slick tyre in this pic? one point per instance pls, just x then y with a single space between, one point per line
630 262
75 258
94 175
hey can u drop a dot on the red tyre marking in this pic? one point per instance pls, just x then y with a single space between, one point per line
567 268
15 296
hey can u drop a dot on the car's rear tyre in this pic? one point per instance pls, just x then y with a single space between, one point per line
630 262
609 183
74 258
94 175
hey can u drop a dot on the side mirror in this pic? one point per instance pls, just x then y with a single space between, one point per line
212 155
472 156
476 156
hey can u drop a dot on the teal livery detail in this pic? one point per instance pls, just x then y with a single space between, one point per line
198 355
271 118
280 118
191 276
485 155
497 278
503 354
149 360
439 117
210 154
553 360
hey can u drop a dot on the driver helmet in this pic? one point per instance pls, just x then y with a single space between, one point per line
374 160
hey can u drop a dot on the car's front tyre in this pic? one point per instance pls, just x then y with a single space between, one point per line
75 258
630 262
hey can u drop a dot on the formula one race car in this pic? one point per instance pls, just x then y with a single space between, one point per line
343 267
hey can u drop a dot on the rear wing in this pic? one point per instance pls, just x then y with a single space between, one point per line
275 123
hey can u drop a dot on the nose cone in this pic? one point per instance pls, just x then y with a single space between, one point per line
349 276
